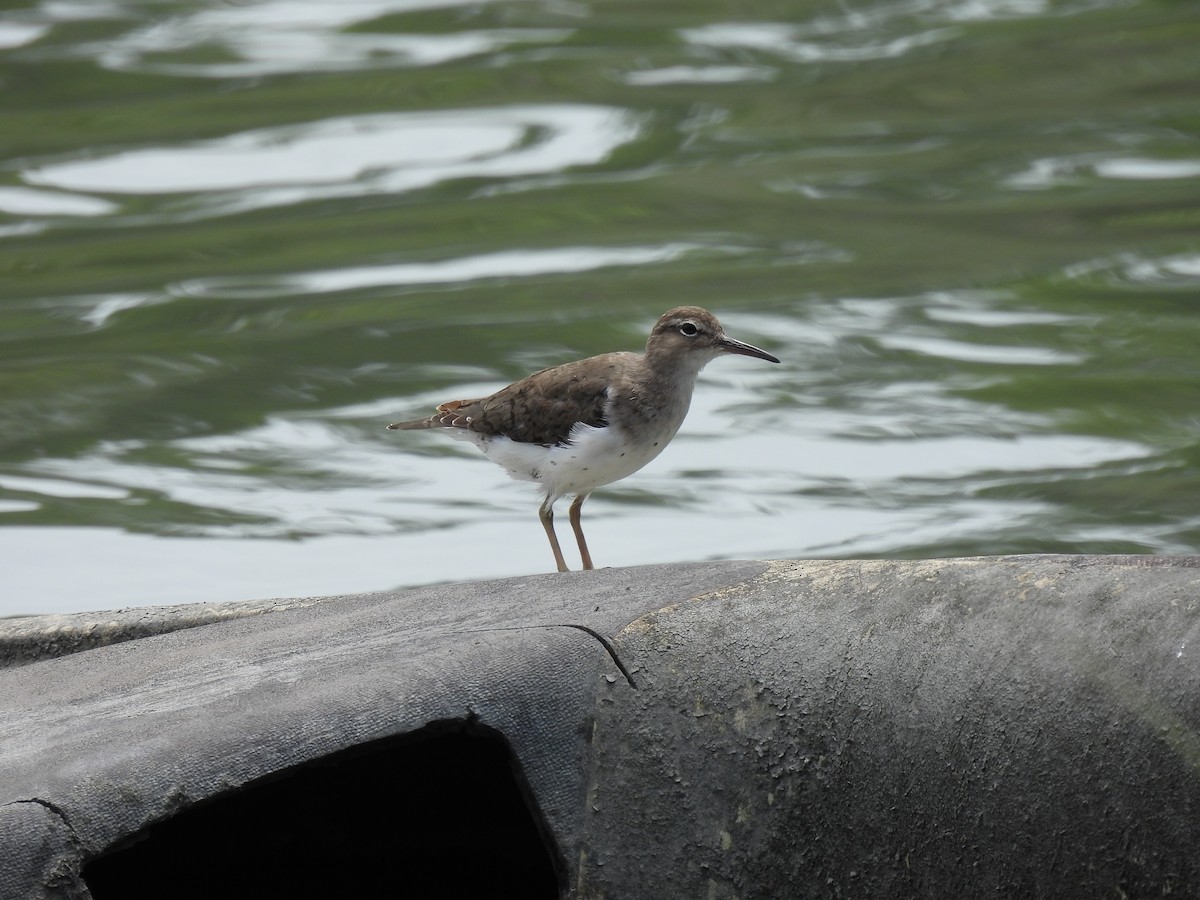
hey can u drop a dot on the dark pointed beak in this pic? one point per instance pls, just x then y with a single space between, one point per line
729 345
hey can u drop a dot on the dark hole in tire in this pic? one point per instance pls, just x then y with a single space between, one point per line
438 813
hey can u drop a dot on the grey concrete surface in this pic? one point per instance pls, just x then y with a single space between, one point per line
1025 726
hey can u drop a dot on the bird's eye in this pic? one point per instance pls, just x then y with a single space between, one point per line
687 329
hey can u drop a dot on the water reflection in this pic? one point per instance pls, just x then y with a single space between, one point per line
1181 271
275 37
865 32
356 155
504 264
979 353
17 34
1053 172
700 75
792 42
47 487
1134 169
18 201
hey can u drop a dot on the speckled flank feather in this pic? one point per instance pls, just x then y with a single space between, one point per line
541 409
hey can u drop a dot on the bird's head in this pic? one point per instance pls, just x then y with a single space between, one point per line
689 332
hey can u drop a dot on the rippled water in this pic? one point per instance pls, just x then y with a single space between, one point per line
237 240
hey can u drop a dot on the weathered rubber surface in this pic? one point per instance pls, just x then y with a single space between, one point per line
26 639
1025 726
121 736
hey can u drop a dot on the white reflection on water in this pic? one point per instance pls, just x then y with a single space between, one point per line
305 49
358 155
273 37
504 264
998 318
872 31
94 309
22 229
17 34
108 569
1064 171
914 324
1182 271
69 487
97 310
1135 169
28 202
976 10
319 153
788 41
1173 268
700 75
997 354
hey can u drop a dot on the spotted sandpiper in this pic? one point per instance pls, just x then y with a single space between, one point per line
575 427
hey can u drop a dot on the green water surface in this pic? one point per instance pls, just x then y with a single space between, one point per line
238 239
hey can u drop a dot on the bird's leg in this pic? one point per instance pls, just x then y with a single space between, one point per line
576 507
546 514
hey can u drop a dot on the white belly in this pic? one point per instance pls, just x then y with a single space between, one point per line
594 457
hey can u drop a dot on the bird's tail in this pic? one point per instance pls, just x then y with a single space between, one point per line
447 416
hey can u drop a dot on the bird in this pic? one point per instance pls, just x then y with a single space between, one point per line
581 425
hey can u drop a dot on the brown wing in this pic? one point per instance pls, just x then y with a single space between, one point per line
540 409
